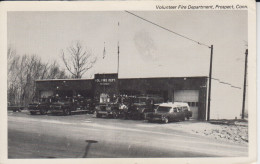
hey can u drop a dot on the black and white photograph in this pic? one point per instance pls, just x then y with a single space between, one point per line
168 82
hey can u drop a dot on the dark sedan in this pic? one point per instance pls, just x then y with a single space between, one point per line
166 112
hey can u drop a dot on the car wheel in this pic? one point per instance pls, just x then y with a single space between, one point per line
98 115
166 120
66 112
188 118
43 111
32 113
115 115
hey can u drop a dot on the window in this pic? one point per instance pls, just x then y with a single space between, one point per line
163 109
193 104
185 108
104 98
174 109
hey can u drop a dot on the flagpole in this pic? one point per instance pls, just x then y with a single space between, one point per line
118 51
118 59
104 54
104 51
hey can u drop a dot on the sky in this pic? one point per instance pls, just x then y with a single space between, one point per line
145 49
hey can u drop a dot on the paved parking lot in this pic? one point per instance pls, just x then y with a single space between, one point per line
84 136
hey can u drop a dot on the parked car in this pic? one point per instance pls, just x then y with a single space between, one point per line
107 110
85 104
41 105
64 105
166 112
16 108
142 105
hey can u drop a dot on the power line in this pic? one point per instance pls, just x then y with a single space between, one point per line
235 87
168 30
225 83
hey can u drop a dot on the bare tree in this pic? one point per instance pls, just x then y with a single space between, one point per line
55 72
78 60
23 70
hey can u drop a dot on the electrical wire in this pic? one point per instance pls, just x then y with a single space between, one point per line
200 43
222 82
185 38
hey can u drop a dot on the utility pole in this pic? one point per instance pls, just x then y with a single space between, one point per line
118 58
210 76
244 92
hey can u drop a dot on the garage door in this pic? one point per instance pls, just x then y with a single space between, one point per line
189 96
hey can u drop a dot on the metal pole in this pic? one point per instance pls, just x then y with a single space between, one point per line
210 74
118 50
118 58
244 92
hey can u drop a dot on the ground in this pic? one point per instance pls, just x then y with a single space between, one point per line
236 132
84 136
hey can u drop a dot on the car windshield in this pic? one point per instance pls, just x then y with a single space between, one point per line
163 109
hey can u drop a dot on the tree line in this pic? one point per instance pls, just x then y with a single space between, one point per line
23 70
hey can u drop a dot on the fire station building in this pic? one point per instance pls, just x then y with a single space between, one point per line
192 90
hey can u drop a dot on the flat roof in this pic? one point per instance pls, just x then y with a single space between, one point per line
62 79
164 77
123 78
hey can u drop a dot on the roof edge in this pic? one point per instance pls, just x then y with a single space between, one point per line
124 78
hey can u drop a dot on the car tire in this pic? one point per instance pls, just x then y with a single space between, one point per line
43 111
166 120
98 115
115 115
188 118
32 113
66 112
